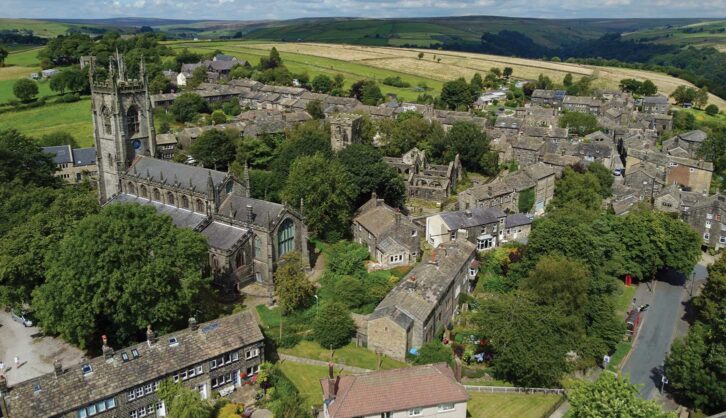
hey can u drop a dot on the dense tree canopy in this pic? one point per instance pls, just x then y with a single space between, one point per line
333 326
294 291
118 271
457 94
611 396
186 107
370 173
215 148
469 141
22 161
579 123
25 89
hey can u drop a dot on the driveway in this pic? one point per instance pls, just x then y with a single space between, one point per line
662 323
35 352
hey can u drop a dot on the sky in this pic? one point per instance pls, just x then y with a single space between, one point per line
289 9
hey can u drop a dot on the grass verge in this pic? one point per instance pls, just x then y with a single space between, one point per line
349 355
504 405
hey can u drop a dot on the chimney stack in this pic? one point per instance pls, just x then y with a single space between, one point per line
193 324
105 348
331 383
457 369
150 336
398 216
250 214
57 368
467 213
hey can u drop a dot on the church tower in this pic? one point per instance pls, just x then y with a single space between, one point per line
123 123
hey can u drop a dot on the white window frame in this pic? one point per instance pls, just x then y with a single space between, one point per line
706 236
415 412
252 353
445 407
722 240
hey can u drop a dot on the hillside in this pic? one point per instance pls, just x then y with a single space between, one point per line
701 34
356 62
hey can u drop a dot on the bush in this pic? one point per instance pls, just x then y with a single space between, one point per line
68 98
434 352
25 89
712 110
218 117
396 82
333 325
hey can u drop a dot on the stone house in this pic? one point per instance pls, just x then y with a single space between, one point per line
526 150
508 126
583 104
344 130
656 104
558 162
166 145
495 194
517 227
672 199
423 302
551 98
687 172
211 358
686 144
430 390
483 227
646 179
708 217
73 165
554 133
392 238
539 176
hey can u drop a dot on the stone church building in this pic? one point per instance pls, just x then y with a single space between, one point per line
247 237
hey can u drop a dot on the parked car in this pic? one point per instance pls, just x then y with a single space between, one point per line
22 318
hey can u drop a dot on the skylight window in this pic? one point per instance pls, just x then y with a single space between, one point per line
173 342
125 356
135 353
36 387
87 369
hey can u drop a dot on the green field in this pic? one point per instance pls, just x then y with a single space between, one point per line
306 379
40 28
74 118
314 65
697 34
505 405
349 355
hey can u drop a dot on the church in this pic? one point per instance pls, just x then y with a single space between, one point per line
247 237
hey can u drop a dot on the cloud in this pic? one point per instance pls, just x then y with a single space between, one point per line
288 9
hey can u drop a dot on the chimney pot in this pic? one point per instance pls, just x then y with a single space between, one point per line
150 335
250 214
193 324
105 348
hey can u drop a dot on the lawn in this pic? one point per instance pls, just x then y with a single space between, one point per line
306 379
505 405
6 89
74 118
624 299
621 350
42 28
350 355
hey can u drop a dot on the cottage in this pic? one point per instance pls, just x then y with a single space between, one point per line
217 356
526 150
423 302
431 390
656 104
708 217
478 225
495 194
392 238
73 165
582 104
686 144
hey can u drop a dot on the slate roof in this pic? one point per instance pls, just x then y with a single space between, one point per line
659 99
222 236
693 136
543 94
113 377
166 139
84 156
189 176
377 220
263 211
490 190
180 217
432 281
517 219
582 100
469 218
394 390
61 153
528 143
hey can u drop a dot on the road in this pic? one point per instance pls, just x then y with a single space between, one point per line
662 323
35 352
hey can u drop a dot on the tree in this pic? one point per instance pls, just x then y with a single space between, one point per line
456 94
4 55
712 110
182 402
57 138
347 258
327 191
22 161
322 84
578 188
294 290
558 280
199 75
304 139
119 270
477 84
272 61
579 122
508 71
369 173
420 55
526 200
371 94
529 341
630 85
611 396
254 151
465 139
218 117
567 81
315 109
604 177
648 88
528 89
701 98
186 106
333 326
683 94
159 84
25 89
544 82
215 148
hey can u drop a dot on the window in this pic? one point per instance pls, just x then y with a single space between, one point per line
185 202
228 187
414 233
135 353
106 116
722 240
708 224
87 369
200 206
132 120
258 247
170 198
221 380
173 342
124 357
709 216
286 237
130 396
252 353
157 195
452 235
446 407
706 236
415 412
253 370
36 387
148 388
139 392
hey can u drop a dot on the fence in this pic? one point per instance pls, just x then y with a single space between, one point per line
506 389
312 362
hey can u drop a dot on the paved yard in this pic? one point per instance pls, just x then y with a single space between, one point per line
35 352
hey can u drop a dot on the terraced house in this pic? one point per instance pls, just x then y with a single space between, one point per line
213 357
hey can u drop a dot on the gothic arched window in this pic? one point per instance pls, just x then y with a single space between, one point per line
106 116
286 237
157 195
132 120
142 192
185 202
200 206
170 198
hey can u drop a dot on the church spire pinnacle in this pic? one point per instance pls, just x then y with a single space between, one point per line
246 179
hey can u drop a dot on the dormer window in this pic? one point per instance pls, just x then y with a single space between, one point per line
87 369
